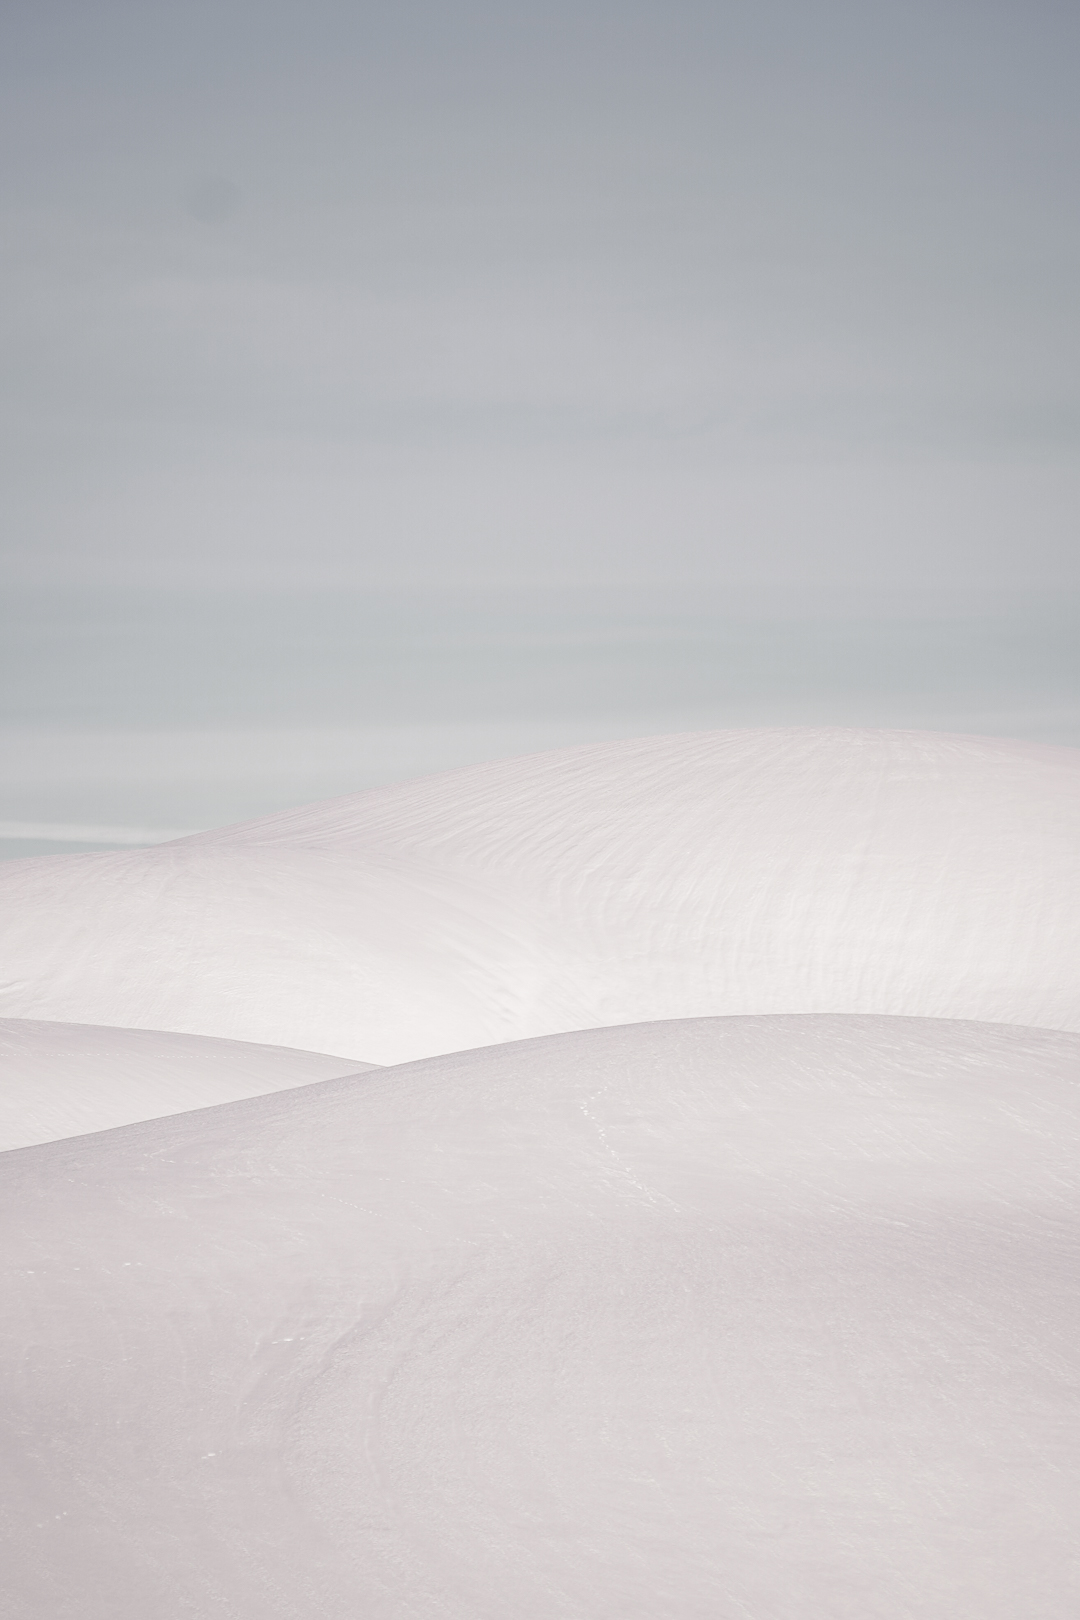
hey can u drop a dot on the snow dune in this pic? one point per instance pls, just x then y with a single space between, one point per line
772 1317
671 877
61 1080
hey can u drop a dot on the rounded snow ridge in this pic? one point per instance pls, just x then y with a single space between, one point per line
712 873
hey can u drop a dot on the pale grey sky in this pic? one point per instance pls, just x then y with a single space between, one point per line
340 292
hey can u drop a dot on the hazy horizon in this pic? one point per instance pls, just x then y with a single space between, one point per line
155 712
697 365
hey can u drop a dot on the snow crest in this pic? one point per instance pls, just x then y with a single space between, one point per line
716 873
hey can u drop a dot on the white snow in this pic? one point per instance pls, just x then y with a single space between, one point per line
750 1317
765 1316
714 873
60 1080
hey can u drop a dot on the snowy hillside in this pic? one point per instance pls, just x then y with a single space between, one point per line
61 1080
671 877
771 1317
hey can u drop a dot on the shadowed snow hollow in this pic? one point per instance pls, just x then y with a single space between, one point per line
765 1316
61 1080
718 872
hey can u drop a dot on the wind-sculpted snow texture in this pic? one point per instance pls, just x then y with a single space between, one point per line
770 1317
671 877
61 1080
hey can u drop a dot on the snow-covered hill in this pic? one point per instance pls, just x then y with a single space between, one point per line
61 1080
710 873
738 1317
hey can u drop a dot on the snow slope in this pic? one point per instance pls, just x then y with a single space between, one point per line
771 1317
61 1080
717 872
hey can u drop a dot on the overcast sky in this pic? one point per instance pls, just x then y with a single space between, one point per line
327 291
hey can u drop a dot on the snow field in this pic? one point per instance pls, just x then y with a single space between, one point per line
767 1316
710 1254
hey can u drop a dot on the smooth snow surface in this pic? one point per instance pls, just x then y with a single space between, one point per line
753 1317
61 1080
716 872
